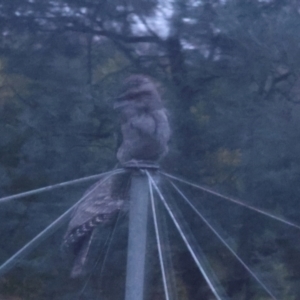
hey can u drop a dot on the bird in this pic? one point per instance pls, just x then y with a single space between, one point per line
145 135
144 122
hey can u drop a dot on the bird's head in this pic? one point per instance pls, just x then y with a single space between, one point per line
140 93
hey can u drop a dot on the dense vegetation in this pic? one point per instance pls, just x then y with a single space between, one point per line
230 75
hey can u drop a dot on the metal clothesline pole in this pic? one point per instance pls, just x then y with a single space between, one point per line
137 238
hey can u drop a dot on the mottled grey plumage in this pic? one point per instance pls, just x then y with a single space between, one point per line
144 122
102 202
146 132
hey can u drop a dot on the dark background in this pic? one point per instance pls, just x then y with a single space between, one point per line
229 72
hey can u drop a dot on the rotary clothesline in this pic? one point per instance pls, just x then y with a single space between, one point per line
199 260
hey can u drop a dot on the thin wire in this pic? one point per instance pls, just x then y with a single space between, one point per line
201 268
164 229
97 261
108 239
6 266
108 248
158 240
223 241
233 200
55 186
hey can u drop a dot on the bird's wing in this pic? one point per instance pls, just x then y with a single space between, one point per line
103 200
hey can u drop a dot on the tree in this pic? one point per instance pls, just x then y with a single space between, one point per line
230 71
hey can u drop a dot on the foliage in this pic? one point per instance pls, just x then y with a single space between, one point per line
230 74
